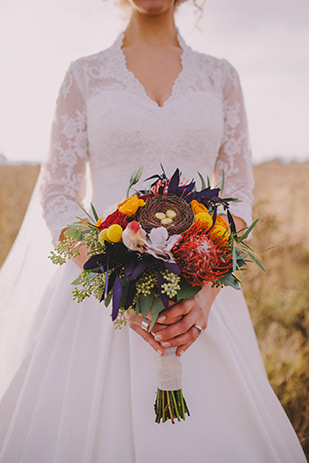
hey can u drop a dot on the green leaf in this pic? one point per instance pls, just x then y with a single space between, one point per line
208 182
187 290
74 233
91 275
223 182
77 281
249 229
203 184
135 178
87 214
95 215
108 298
145 303
256 261
137 307
230 280
234 258
156 308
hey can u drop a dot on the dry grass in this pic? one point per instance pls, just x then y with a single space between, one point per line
278 299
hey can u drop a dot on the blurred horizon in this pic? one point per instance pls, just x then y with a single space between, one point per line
266 42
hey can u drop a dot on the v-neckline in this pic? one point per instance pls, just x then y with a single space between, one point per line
138 83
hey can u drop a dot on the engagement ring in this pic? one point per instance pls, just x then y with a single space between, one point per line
199 329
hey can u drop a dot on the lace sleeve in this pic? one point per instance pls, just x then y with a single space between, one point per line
234 155
63 181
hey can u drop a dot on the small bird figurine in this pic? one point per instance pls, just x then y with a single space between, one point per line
134 237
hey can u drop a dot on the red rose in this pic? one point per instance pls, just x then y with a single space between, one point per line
115 217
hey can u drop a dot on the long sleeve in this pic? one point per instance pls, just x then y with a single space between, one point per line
63 182
234 158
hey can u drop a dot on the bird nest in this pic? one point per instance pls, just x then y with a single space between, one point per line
169 211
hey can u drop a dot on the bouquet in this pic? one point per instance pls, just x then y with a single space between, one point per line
160 244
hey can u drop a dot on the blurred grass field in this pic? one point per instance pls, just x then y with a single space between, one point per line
278 299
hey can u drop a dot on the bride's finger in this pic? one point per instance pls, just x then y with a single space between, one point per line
177 311
148 337
181 327
186 339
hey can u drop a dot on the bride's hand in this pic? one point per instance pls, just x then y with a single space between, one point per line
182 317
135 323
82 257
175 326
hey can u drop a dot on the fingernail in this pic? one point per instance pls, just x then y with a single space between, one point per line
161 319
180 353
165 344
159 352
158 337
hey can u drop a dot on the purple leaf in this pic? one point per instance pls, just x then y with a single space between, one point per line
174 182
117 293
137 271
172 267
95 261
231 222
106 281
130 295
128 268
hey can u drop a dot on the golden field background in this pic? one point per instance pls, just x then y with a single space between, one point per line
278 299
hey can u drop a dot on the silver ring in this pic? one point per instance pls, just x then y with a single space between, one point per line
199 328
145 325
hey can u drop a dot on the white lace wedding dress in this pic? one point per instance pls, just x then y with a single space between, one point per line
83 392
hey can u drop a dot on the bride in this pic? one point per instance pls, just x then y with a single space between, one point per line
81 391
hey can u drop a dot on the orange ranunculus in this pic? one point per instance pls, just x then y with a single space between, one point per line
130 205
197 207
99 222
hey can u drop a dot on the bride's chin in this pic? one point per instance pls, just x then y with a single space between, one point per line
151 7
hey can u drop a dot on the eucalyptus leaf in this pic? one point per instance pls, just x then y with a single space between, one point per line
77 281
137 307
187 290
156 308
230 280
74 233
145 303
108 299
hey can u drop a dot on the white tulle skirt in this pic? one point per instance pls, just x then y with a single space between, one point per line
84 393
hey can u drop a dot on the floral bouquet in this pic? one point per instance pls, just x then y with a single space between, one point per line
159 245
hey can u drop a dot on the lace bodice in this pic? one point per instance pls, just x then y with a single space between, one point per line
105 117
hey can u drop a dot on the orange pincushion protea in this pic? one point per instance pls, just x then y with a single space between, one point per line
200 259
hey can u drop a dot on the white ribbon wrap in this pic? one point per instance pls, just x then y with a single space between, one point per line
169 370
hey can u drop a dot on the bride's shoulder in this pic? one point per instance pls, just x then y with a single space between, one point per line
211 63
92 69
216 69
98 59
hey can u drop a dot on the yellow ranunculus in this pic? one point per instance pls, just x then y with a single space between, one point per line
114 233
218 232
130 205
102 237
198 207
204 217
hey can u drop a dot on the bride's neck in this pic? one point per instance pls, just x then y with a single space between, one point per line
151 30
